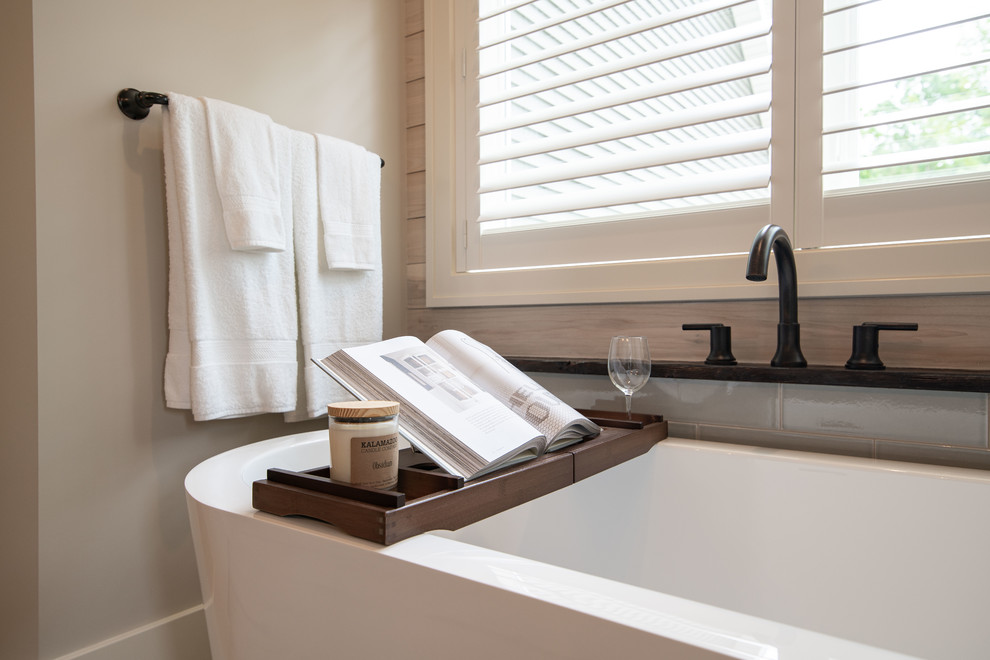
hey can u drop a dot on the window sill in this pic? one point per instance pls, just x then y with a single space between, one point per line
950 380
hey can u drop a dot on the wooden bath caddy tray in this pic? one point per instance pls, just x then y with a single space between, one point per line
428 498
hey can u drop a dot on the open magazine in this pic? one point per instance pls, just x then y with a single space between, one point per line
462 404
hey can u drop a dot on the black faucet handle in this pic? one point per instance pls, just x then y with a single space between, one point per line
888 326
721 342
866 343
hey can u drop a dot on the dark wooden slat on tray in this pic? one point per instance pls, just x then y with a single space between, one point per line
416 482
321 484
616 445
620 420
359 519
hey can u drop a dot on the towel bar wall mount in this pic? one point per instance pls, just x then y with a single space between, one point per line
136 104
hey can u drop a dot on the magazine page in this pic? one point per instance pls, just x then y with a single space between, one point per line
442 393
524 396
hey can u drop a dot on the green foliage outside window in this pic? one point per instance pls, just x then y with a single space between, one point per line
939 130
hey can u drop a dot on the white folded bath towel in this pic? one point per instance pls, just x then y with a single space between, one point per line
232 315
337 308
349 188
245 167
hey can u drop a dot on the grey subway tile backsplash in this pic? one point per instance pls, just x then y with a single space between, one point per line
939 428
933 454
712 402
682 430
951 418
699 401
824 444
589 392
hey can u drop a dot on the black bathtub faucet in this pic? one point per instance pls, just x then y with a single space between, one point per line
773 238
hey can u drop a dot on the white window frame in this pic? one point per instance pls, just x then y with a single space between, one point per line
935 267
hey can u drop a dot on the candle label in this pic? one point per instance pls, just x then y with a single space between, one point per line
375 461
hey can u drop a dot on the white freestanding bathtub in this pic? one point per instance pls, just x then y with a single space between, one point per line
693 550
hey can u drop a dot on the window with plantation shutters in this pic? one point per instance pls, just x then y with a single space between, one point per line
607 150
592 111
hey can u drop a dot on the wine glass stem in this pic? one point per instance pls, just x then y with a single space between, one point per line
629 406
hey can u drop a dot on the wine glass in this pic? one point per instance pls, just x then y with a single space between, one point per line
629 366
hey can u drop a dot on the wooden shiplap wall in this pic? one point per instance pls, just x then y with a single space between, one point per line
415 164
954 330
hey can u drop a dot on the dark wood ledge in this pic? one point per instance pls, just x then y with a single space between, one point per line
950 380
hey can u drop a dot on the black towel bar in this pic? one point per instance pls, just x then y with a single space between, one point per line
136 105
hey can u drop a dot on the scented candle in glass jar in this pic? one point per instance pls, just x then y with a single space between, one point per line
364 443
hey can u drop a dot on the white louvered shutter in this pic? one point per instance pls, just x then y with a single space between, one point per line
905 119
906 90
592 111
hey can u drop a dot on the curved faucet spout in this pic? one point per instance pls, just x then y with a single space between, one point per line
773 239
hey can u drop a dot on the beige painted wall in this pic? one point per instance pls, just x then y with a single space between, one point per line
113 543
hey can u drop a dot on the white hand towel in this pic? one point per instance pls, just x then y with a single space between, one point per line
245 167
337 308
232 315
349 188
179 356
